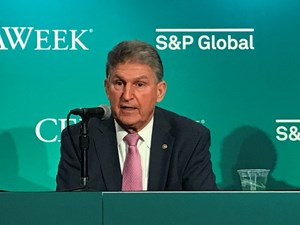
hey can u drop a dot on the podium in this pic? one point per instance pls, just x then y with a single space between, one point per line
43 208
202 208
150 208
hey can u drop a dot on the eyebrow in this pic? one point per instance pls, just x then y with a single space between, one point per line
141 77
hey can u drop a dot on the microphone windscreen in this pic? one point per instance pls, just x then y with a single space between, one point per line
107 112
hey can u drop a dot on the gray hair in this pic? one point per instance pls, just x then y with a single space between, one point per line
135 52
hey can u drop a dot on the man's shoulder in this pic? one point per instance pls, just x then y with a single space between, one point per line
179 122
93 124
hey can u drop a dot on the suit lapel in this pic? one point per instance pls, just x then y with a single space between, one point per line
107 152
160 153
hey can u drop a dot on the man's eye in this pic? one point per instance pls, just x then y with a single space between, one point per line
118 83
140 84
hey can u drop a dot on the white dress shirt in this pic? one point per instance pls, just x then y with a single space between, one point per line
143 145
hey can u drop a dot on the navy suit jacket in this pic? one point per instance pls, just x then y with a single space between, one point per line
182 164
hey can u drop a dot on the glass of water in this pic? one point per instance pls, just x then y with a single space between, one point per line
253 179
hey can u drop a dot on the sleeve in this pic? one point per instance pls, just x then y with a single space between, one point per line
68 175
198 173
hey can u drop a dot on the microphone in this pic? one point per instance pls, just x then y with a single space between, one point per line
102 112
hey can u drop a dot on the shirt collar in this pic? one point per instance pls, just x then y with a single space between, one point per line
145 133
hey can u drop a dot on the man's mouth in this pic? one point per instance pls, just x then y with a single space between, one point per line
126 107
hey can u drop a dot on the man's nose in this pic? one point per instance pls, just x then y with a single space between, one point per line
128 92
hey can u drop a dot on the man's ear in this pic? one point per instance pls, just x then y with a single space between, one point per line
106 86
161 91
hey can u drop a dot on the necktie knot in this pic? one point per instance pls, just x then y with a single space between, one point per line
132 139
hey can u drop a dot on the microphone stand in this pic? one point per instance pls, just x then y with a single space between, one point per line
84 145
102 112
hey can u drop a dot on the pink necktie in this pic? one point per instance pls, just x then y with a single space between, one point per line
132 171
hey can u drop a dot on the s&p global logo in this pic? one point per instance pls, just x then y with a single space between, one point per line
205 39
288 129
13 38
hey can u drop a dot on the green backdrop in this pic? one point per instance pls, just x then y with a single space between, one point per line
244 88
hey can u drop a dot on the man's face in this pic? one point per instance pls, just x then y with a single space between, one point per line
133 92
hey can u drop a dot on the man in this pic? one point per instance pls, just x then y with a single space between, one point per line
173 151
